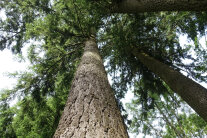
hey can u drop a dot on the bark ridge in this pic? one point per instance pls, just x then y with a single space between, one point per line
91 110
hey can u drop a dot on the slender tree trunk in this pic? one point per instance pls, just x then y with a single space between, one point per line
91 110
191 92
134 6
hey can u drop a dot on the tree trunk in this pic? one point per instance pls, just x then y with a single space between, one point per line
91 110
135 6
191 92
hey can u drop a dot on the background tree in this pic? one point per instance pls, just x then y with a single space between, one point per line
164 47
134 6
60 28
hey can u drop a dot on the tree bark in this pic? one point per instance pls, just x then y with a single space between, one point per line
91 110
135 6
191 92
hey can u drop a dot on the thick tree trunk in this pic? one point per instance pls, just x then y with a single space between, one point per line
134 6
91 110
191 92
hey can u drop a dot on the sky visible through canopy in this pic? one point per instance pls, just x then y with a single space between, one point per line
10 64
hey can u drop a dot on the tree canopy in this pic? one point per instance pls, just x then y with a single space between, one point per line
55 32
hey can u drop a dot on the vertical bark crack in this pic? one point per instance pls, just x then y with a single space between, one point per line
91 110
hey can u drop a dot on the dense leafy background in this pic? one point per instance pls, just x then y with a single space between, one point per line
55 32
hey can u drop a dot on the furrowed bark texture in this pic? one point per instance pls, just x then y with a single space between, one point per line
91 110
133 6
191 92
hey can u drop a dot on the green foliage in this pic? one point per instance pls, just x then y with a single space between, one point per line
18 14
148 35
191 126
164 121
154 34
42 94
170 118
56 41
6 116
55 32
35 119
